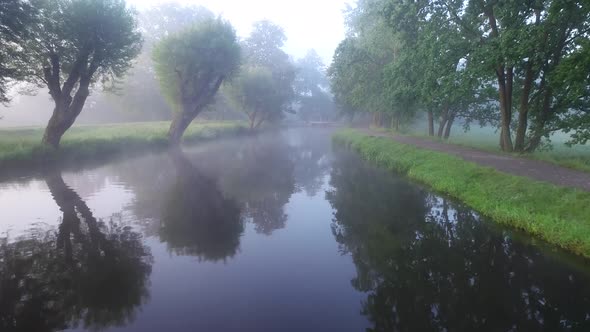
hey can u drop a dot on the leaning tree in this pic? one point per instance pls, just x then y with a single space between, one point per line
191 65
76 43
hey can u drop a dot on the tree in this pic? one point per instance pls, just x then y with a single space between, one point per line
256 93
139 93
521 46
312 89
361 70
445 56
75 44
192 65
15 18
264 87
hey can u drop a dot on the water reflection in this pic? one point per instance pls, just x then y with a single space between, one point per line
311 156
85 271
197 219
259 174
427 264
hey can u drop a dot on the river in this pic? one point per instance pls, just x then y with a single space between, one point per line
280 232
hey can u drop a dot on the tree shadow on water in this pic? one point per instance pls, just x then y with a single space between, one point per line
426 263
197 219
84 272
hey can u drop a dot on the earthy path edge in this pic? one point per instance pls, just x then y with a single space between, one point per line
559 215
534 169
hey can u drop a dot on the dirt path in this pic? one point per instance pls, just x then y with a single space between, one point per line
534 169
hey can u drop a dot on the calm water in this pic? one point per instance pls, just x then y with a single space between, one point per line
274 233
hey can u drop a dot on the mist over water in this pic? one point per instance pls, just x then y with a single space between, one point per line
272 232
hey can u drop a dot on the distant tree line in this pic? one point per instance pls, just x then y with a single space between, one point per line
522 66
182 57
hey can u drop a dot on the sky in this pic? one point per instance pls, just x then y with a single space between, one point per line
317 24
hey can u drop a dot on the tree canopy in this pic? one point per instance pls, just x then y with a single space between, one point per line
263 88
74 44
312 89
15 18
191 66
506 63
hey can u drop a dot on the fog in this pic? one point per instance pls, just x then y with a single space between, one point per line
317 25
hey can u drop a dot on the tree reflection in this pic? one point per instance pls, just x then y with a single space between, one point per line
311 159
260 176
85 272
197 219
427 264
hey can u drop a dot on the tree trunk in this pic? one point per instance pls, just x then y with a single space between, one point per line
505 80
260 121
430 123
63 118
178 126
443 122
540 123
450 121
524 109
505 87
55 129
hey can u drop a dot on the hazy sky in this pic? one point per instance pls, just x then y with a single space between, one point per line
317 24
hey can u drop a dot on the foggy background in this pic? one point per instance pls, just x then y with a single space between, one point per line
308 24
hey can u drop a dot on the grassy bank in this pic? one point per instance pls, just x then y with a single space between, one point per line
22 147
558 215
574 157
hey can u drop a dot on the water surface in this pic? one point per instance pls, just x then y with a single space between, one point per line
272 233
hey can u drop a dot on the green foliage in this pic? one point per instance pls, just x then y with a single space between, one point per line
476 60
191 64
558 215
264 46
256 93
15 17
264 86
75 39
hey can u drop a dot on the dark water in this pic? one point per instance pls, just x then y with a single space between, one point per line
275 233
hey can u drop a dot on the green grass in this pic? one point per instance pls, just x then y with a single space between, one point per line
574 157
22 147
558 215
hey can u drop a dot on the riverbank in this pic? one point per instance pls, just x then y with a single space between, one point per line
558 215
23 148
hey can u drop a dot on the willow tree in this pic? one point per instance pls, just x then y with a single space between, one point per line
264 87
191 66
74 44
256 93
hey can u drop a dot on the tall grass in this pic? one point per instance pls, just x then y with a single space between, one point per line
558 215
23 146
